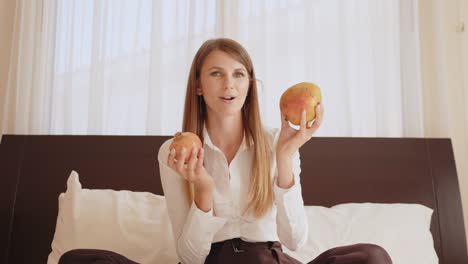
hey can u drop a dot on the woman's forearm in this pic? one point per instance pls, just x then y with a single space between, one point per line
203 200
285 174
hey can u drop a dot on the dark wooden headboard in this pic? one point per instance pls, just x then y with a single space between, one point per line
34 170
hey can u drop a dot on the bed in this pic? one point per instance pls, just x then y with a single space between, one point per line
34 171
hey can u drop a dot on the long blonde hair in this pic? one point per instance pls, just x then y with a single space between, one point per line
260 196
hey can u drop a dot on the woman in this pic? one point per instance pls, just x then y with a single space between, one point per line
238 198
240 194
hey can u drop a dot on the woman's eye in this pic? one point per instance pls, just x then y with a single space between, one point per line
216 73
239 74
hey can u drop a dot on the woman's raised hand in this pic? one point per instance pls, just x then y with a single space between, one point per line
290 139
192 171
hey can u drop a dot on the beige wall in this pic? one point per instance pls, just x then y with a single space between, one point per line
7 14
464 47
444 65
463 27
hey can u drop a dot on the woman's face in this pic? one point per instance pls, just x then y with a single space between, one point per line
224 83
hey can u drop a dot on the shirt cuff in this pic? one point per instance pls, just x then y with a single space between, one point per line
200 230
289 202
289 196
291 217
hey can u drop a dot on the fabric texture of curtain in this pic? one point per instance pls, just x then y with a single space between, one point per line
120 67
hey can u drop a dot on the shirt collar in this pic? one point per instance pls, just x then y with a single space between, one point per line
209 143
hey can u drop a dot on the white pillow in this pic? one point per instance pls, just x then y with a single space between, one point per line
136 225
133 224
402 229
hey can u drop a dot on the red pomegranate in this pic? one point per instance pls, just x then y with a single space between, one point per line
186 140
298 97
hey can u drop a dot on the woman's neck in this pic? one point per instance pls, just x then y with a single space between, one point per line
227 133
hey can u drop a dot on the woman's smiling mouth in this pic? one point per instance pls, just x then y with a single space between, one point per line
227 99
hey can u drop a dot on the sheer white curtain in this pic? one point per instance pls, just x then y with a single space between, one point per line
445 80
27 95
364 55
120 66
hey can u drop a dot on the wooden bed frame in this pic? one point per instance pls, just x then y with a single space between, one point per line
34 170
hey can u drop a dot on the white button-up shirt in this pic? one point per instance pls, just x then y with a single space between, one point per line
195 230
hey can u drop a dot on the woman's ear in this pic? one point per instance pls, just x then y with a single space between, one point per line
199 91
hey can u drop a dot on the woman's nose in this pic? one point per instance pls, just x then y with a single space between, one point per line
228 83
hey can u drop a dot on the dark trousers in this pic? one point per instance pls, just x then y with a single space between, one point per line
238 251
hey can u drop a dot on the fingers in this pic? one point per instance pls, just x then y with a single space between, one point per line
191 168
181 161
191 164
201 156
284 120
318 118
313 125
171 159
303 120
317 121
